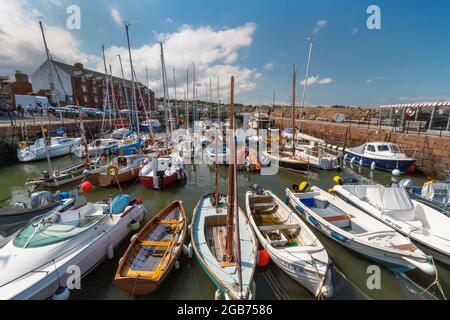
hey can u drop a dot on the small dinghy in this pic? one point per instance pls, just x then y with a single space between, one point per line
430 229
222 238
153 252
358 231
291 245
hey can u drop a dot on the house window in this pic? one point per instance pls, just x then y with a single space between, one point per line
94 81
83 78
96 99
86 99
83 88
95 90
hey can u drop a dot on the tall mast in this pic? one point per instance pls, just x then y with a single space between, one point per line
105 90
148 98
165 87
210 97
113 97
230 211
49 63
176 98
47 154
125 89
193 95
294 80
218 101
187 100
133 92
311 43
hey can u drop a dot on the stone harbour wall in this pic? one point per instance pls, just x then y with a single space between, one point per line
432 152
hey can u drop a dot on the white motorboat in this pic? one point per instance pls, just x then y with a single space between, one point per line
189 149
121 133
429 228
39 260
291 245
358 231
97 148
317 157
57 147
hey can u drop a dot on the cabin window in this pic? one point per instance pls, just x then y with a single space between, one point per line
371 148
383 147
394 148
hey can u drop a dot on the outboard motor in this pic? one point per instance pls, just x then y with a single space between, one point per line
40 199
256 188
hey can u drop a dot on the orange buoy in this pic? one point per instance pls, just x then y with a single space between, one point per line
263 258
86 186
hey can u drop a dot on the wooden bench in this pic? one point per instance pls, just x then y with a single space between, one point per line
279 227
338 218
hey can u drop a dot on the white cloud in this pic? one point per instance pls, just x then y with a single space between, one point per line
115 14
268 66
321 24
21 39
215 53
369 81
169 20
355 30
317 80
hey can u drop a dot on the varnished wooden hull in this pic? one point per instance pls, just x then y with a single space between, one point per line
105 180
140 285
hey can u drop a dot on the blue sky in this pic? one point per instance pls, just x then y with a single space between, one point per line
406 61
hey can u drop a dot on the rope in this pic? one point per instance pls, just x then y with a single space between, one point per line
435 282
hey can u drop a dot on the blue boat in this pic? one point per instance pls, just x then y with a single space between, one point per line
381 155
126 149
152 125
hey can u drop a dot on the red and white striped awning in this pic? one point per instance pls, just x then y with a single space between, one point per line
415 105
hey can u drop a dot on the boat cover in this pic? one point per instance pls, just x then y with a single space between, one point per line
389 199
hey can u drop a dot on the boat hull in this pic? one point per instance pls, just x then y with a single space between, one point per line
381 164
161 182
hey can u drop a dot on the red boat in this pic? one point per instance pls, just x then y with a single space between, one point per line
163 171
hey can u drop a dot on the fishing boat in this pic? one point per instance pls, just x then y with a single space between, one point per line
381 155
222 238
14 217
358 231
153 252
291 245
61 177
36 260
317 157
120 170
429 228
97 148
128 147
57 147
162 171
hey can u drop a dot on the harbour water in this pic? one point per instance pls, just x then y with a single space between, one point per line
190 282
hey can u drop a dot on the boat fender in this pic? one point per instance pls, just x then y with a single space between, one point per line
303 186
64 195
112 170
219 295
406 183
352 160
345 157
330 190
177 265
286 200
361 162
313 220
373 166
338 180
190 251
396 173
134 237
185 250
110 251
135 225
263 258
326 291
61 294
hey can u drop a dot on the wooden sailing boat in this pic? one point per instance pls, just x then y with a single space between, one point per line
288 160
222 237
153 252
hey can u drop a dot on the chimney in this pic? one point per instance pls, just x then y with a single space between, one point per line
78 66
21 77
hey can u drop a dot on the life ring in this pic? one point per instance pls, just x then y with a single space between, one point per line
410 112
112 170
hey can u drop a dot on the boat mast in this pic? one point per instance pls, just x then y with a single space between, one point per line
49 62
311 43
165 87
149 101
231 212
106 91
47 154
113 98
187 101
125 90
176 98
83 135
294 80
133 92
